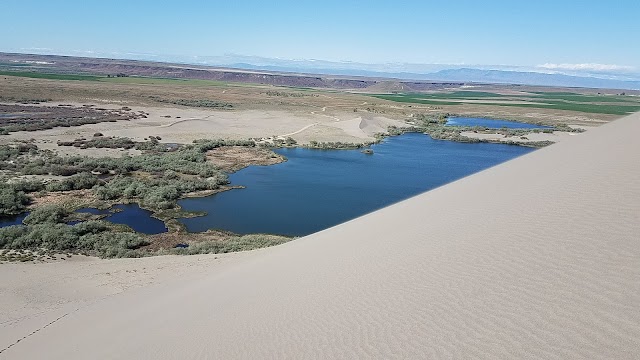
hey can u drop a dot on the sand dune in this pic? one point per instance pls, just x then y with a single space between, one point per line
363 127
536 258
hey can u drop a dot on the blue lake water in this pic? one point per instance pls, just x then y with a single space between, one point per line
491 123
316 189
132 215
12 220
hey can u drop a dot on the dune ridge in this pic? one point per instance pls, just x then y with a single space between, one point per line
538 257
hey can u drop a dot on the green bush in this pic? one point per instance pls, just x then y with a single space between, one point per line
156 193
28 186
337 145
195 103
236 243
48 236
10 233
49 214
8 152
90 227
74 182
112 244
92 237
12 201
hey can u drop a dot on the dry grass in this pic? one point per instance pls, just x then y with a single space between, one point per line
234 158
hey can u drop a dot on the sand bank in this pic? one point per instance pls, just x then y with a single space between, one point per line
536 258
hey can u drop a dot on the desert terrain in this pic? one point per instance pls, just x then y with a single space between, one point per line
454 272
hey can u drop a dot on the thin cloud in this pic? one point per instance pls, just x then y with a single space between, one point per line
586 67
35 49
83 51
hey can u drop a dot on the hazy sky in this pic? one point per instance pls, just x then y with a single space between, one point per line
529 32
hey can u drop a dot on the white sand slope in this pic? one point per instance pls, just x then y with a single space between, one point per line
536 258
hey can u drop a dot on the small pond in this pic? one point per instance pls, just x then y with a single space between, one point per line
12 220
491 123
132 215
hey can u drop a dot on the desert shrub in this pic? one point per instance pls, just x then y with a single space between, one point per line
112 244
204 145
195 103
290 141
161 197
8 152
28 186
9 233
430 119
236 243
186 169
156 193
27 148
152 145
48 236
171 175
92 237
50 214
101 143
189 160
338 145
12 201
63 170
74 182
90 227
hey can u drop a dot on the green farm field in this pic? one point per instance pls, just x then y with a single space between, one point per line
598 104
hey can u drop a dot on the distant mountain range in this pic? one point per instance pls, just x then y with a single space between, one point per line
470 75
530 78
499 74
447 74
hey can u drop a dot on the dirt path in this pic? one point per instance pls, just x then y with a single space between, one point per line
301 130
329 116
184 120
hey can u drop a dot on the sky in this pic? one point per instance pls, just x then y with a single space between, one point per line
544 34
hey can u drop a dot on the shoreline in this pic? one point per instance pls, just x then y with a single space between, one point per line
229 156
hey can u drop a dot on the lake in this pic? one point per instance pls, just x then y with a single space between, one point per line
491 123
316 189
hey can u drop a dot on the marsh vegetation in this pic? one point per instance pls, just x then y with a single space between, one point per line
155 179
